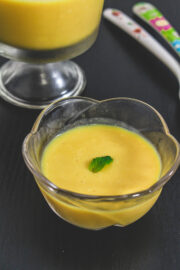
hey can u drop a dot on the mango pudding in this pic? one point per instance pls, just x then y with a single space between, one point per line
48 24
135 166
101 163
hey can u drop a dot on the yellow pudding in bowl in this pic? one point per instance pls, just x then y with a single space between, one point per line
100 164
136 164
48 24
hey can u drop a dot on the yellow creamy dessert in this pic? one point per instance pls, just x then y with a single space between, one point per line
48 24
136 164
135 167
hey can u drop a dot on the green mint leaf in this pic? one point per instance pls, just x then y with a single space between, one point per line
98 163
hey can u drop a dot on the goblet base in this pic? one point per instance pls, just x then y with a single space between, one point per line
35 86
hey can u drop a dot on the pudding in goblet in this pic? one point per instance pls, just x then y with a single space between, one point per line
39 36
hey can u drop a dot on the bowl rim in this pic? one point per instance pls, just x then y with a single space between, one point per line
52 188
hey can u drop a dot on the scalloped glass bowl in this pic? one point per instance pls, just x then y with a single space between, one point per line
97 212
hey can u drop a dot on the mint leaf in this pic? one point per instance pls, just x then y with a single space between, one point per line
98 163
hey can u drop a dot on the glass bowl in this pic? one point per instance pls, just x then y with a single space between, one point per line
97 212
39 37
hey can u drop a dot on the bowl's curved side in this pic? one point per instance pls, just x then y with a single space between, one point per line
98 214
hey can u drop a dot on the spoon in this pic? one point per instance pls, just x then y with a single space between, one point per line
151 15
124 22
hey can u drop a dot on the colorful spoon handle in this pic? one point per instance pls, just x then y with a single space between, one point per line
118 18
151 15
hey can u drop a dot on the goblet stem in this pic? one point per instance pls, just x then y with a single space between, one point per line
35 86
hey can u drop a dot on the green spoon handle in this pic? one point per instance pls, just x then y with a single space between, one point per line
151 15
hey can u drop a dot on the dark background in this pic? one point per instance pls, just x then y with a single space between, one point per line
32 237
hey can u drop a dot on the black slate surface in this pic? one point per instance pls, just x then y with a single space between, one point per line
32 237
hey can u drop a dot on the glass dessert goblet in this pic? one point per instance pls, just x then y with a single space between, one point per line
39 37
